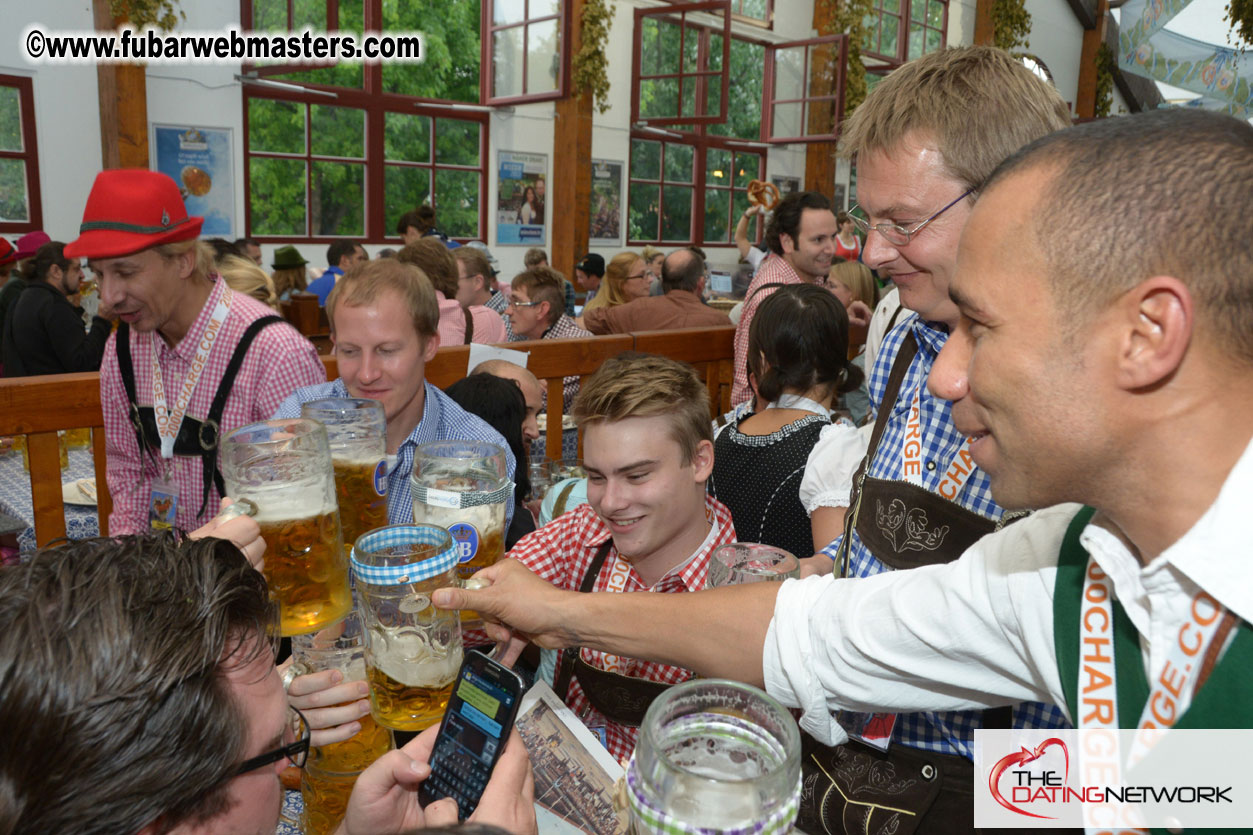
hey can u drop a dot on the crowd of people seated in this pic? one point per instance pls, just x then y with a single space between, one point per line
886 438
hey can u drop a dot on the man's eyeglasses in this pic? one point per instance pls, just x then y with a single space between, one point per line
523 304
295 747
895 233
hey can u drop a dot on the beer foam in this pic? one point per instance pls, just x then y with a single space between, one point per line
291 501
407 657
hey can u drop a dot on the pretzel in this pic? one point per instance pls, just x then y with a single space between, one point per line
763 194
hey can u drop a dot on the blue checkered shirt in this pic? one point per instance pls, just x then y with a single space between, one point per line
442 420
944 732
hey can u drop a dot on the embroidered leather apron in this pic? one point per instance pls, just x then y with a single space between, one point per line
619 698
853 788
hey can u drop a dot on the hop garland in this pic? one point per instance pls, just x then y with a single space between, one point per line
590 65
1011 25
849 17
1104 81
1240 17
163 14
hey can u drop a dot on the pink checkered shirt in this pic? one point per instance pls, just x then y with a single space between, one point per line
562 551
279 361
565 328
774 270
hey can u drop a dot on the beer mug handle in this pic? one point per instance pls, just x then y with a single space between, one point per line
240 507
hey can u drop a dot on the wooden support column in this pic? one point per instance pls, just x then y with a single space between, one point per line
1085 96
820 156
572 166
985 30
123 94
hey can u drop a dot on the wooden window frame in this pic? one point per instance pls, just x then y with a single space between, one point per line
892 61
487 40
700 77
836 97
29 156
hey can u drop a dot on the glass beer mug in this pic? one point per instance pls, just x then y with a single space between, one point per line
341 646
324 793
412 650
737 563
357 431
715 756
463 486
282 470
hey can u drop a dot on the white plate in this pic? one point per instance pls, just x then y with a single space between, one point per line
81 492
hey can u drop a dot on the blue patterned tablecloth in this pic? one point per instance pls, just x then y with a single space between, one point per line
15 498
569 446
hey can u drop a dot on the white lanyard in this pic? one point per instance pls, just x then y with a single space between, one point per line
959 470
1169 694
169 420
796 401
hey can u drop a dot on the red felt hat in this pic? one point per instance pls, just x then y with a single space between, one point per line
8 254
128 210
29 244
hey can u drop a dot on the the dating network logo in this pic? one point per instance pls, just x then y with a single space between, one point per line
1022 790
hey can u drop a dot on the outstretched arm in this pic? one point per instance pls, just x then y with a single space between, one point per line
722 630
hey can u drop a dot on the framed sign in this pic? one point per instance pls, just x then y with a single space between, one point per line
520 196
606 213
201 161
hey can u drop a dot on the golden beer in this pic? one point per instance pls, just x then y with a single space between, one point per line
361 508
409 707
491 550
307 571
78 438
325 793
358 751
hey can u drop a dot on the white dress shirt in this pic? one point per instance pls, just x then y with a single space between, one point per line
978 632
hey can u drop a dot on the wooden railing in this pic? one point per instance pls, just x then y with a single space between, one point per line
38 407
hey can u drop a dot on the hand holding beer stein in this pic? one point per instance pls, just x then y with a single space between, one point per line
412 650
283 467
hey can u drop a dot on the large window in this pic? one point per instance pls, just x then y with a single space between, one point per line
680 69
344 149
20 209
902 30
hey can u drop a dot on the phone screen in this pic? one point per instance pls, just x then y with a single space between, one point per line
479 717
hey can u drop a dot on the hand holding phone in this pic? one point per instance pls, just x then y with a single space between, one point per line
472 735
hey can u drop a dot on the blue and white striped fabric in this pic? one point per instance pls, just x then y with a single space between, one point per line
948 733
442 420
398 536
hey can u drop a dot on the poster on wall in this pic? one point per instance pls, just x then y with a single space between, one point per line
200 161
606 214
786 185
520 199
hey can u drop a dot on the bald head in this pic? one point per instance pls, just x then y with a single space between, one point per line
683 269
532 392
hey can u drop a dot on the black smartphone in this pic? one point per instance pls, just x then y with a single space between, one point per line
476 725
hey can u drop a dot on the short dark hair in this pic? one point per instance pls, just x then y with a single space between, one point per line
798 339
421 218
686 275
1104 226
336 251
222 248
787 217
243 242
115 709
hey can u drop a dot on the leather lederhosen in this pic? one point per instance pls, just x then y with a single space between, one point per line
619 698
853 788
196 438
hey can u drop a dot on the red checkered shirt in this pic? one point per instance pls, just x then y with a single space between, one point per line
562 551
774 270
278 362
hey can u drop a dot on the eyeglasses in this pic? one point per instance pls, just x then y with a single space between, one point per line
638 275
295 747
895 233
523 304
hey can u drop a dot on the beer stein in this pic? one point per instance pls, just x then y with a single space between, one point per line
324 791
357 432
412 650
563 468
341 646
463 486
283 469
737 563
715 756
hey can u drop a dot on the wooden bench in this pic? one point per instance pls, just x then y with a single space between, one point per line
38 407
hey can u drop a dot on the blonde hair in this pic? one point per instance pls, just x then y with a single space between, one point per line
244 276
649 253
612 292
204 255
288 280
645 385
365 282
858 278
976 104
